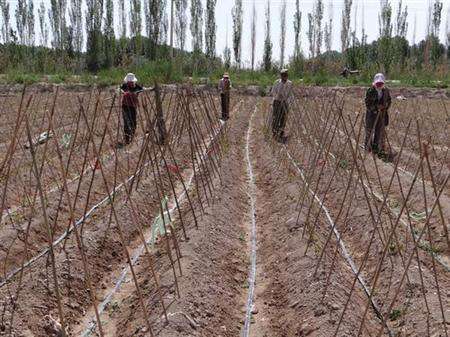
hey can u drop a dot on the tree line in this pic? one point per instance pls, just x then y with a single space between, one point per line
90 35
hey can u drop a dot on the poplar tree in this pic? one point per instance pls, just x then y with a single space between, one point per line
401 27
283 32
363 28
123 19
4 7
164 35
297 30
109 41
43 26
400 43
21 21
385 41
94 15
345 29
154 12
237 30
318 33
136 24
436 21
267 57
76 22
181 22
227 52
57 19
385 19
30 24
163 22
253 35
311 38
54 17
436 18
196 25
328 29
210 29
447 33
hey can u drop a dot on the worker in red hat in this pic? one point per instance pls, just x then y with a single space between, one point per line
225 89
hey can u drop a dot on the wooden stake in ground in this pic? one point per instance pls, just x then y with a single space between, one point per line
160 123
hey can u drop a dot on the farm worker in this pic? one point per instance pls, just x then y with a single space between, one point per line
130 91
224 89
378 101
282 95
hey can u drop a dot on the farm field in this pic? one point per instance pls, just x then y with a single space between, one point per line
218 230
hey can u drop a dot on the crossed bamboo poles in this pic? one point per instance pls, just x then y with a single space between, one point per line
194 110
318 130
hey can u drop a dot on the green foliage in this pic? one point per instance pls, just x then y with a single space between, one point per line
267 57
196 25
21 78
237 13
210 31
22 64
297 30
395 314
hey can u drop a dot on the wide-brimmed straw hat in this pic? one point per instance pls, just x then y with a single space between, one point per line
379 78
130 78
226 75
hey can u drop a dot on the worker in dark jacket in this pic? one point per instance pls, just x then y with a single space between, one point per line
225 89
378 102
130 91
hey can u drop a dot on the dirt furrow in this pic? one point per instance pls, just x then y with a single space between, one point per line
289 300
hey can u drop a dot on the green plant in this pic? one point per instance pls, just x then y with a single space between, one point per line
395 314
343 164
21 78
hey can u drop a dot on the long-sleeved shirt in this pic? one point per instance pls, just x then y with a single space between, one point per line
376 103
282 91
130 95
374 100
223 87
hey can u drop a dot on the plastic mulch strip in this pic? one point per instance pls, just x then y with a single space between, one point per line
158 228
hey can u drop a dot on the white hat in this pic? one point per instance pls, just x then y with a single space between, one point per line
226 75
130 78
379 78
283 71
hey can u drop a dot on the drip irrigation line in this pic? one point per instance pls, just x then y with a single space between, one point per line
438 257
252 198
341 243
139 251
14 209
87 215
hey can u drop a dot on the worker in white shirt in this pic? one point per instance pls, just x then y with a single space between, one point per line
282 95
224 89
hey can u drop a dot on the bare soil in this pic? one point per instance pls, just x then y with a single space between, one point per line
305 283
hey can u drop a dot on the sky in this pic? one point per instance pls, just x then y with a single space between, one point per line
416 9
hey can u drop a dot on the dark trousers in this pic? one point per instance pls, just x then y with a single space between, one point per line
375 125
129 123
225 102
279 117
